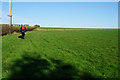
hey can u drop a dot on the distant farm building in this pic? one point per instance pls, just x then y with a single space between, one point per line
20 24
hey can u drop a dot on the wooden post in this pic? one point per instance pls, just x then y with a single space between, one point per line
10 16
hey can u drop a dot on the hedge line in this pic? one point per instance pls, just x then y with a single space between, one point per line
5 28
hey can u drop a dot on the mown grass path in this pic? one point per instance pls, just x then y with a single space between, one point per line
61 54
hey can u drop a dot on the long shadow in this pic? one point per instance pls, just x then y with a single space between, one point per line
37 68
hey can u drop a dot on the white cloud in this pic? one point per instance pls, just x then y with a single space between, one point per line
62 0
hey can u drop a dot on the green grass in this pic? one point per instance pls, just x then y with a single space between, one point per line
65 54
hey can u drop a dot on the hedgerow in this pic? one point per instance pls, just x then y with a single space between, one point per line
5 28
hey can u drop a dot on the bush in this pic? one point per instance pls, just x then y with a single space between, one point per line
36 26
5 29
29 28
15 29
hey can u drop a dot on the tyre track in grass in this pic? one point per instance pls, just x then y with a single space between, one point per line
60 48
35 47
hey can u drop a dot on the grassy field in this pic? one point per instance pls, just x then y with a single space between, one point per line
61 54
52 28
58 28
76 28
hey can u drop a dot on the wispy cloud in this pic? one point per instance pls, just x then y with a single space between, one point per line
22 20
62 0
16 19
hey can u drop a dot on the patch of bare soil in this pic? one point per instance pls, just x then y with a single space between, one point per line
15 33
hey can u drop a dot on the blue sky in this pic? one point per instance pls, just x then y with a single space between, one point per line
63 14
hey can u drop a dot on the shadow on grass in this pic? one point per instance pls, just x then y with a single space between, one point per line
20 37
33 66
